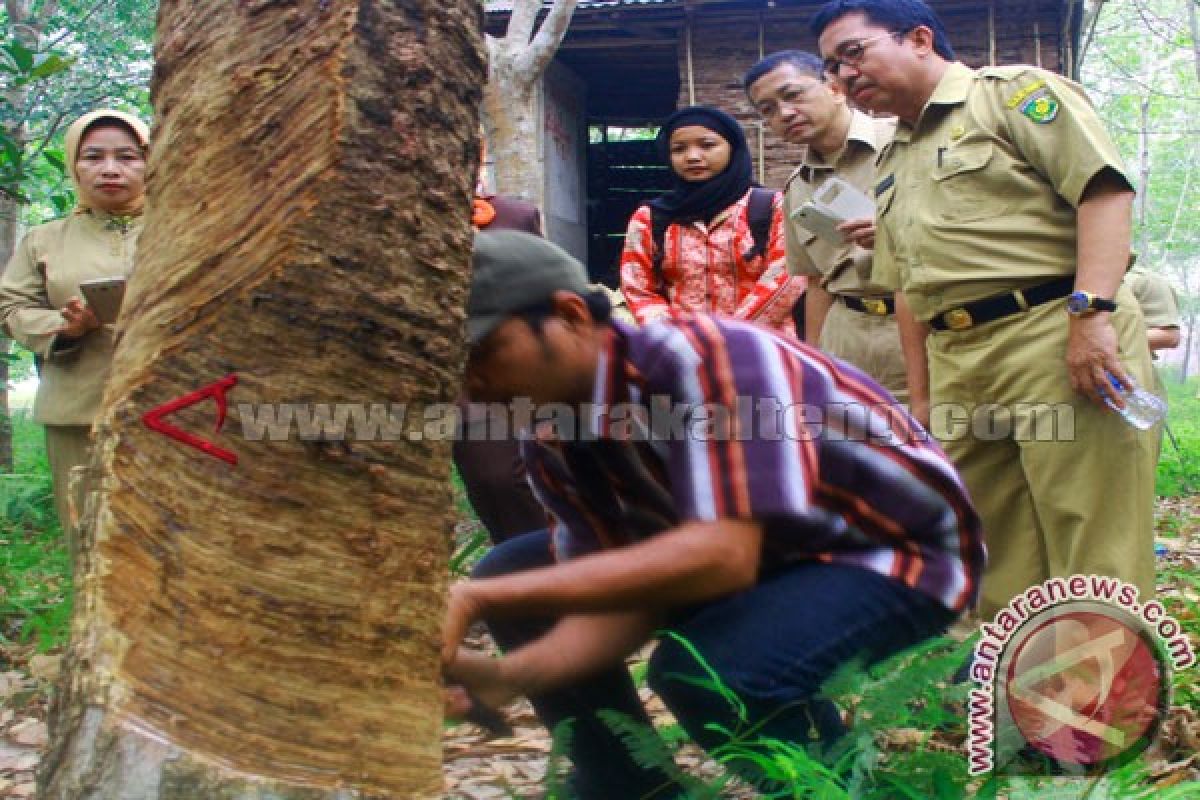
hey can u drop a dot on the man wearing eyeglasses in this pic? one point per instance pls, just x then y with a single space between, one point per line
1002 205
845 313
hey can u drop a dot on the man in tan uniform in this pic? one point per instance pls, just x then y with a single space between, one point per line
845 313
1160 308
1002 205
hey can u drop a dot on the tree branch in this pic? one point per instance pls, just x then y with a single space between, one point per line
16 14
1089 23
43 16
534 59
79 23
520 22
1195 27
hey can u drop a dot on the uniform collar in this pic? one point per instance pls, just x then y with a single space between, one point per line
863 131
122 223
952 90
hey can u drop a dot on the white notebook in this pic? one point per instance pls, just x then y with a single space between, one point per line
831 205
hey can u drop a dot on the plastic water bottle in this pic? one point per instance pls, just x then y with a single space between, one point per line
1143 409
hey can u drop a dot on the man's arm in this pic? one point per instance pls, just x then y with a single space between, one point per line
694 562
578 646
1103 253
817 302
913 333
1166 338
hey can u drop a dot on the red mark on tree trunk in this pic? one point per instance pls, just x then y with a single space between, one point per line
153 418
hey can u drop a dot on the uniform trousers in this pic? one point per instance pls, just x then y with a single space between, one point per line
67 447
1064 486
869 342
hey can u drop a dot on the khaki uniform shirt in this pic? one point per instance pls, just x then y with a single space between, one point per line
846 268
1156 298
979 197
43 274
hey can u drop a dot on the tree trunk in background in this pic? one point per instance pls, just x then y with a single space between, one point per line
1194 27
515 66
27 27
270 630
9 211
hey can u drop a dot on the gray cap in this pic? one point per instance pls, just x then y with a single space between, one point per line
513 271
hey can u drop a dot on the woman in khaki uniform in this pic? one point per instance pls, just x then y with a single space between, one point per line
40 300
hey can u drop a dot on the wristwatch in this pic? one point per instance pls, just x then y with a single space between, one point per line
1080 303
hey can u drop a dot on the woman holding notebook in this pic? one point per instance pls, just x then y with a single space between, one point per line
41 304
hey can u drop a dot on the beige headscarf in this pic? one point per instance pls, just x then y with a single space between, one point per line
75 134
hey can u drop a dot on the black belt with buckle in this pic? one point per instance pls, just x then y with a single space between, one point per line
1002 305
875 306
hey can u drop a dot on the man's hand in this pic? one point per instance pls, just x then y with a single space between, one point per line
474 676
860 232
78 319
1091 352
462 609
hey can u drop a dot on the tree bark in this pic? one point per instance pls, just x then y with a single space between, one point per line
516 63
270 629
28 31
9 211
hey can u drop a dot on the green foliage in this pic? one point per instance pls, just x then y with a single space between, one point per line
55 67
1182 603
1179 464
35 589
909 692
21 68
557 764
471 540
20 363
652 750
711 680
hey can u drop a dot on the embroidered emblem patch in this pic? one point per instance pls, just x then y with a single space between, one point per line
1016 99
1041 107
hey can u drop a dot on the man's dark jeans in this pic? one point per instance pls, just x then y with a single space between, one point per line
773 645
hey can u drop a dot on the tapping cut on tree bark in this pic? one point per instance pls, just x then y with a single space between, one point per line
270 629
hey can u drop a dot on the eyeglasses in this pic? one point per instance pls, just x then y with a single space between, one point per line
852 53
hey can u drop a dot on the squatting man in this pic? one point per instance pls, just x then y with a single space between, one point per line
778 560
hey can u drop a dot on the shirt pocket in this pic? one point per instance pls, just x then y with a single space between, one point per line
962 191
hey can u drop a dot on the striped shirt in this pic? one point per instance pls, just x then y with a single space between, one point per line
700 418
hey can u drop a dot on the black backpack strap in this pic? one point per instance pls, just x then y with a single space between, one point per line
658 236
758 214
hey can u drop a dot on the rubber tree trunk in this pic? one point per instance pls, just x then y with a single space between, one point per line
270 629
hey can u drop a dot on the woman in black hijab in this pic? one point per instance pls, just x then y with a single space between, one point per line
706 258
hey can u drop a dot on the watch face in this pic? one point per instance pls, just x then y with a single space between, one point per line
1078 302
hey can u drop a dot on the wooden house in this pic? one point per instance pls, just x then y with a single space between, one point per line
627 64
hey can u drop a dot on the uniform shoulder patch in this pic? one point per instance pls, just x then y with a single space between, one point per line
1041 106
1036 101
